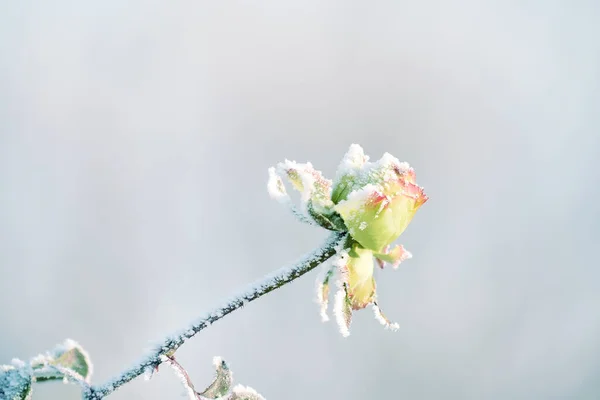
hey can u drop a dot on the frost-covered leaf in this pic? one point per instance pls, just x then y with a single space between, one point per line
68 360
241 392
315 194
15 383
358 277
343 312
222 382
323 283
383 320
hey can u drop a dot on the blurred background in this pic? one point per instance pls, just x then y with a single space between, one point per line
135 139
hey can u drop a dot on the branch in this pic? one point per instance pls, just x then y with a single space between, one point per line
267 284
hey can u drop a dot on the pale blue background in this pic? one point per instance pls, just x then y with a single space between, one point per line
135 139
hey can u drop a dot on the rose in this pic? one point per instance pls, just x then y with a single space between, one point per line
377 200
373 201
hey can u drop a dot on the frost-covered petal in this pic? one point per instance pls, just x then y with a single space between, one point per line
241 392
366 215
357 274
385 172
375 219
394 256
383 320
348 173
323 283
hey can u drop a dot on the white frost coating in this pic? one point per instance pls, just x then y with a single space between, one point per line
148 373
340 259
383 320
352 162
71 344
246 392
338 310
356 165
217 362
40 359
327 274
363 225
323 301
277 191
17 363
45 368
355 202
305 173
276 187
361 195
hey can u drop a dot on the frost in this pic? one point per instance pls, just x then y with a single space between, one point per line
306 173
276 187
354 158
379 316
323 283
17 363
222 382
343 312
362 195
148 373
322 297
218 362
278 192
315 194
68 362
15 383
363 225
241 392
40 359
358 171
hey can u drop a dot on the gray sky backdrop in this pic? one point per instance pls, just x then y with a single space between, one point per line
135 139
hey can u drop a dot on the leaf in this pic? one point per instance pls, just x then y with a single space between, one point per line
343 312
383 320
75 359
15 383
222 382
68 360
323 291
241 392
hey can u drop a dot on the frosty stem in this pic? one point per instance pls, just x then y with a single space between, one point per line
265 285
